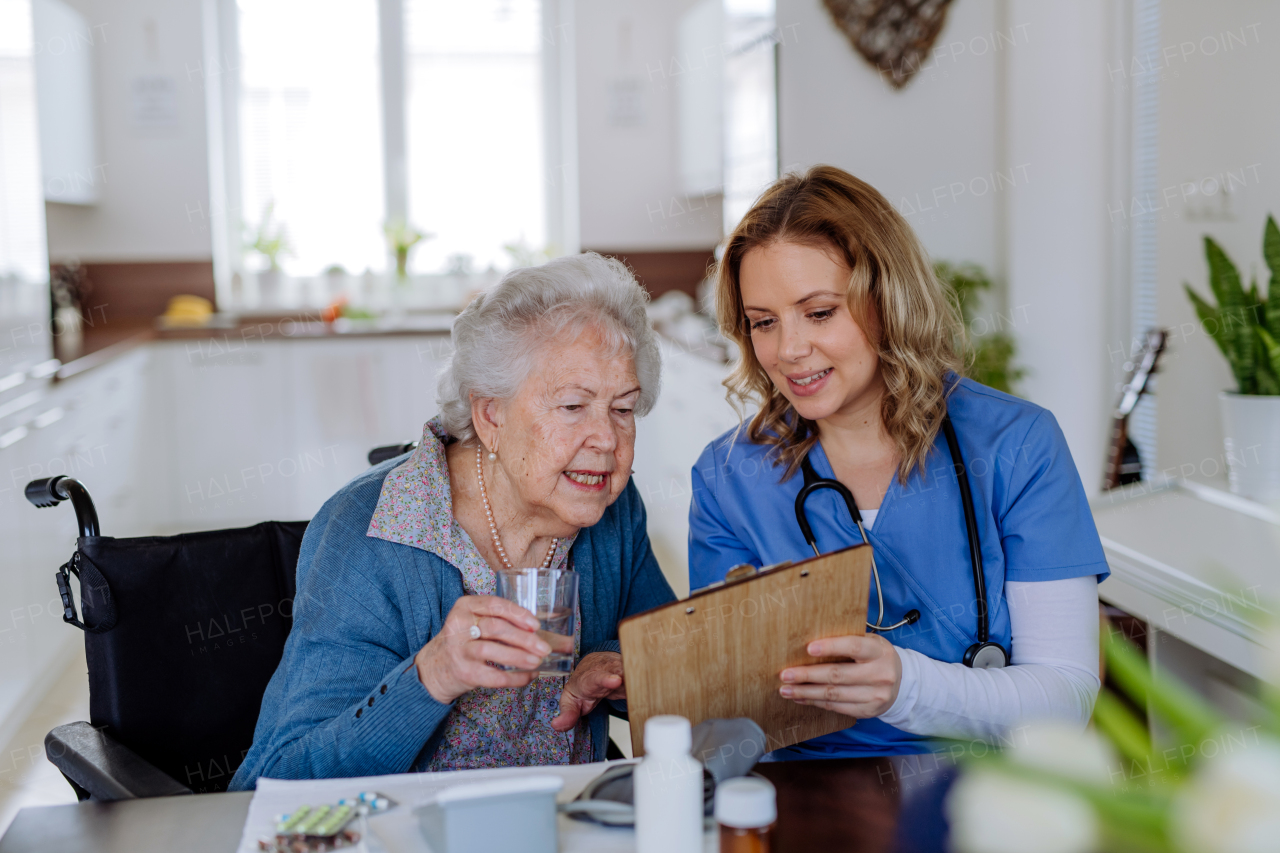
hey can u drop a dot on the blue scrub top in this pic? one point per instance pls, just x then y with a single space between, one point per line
1033 519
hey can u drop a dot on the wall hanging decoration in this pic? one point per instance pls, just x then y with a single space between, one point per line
893 35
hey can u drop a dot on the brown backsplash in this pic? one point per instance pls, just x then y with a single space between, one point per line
663 271
142 289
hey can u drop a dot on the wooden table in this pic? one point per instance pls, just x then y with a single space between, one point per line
828 806
839 804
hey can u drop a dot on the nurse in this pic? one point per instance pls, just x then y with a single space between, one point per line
849 351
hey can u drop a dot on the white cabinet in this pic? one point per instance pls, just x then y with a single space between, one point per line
87 428
66 105
243 433
214 419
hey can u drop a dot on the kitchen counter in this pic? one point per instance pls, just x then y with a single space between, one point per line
230 332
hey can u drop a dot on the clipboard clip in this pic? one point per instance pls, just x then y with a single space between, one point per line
741 572
745 571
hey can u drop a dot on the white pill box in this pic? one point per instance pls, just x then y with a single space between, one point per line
505 814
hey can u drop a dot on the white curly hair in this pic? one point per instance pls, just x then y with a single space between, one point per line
498 336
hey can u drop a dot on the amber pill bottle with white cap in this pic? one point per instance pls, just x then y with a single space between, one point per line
747 814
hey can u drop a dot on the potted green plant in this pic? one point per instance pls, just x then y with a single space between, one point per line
401 238
1245 325
271 240
988 349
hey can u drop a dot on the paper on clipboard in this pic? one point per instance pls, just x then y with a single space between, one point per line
718 653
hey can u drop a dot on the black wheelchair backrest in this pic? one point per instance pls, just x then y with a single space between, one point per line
182 634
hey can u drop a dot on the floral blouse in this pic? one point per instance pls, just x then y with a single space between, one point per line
487 727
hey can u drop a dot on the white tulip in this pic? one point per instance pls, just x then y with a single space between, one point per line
1064 749
993 812
1232 802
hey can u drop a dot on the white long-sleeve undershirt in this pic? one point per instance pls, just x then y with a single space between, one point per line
1054 673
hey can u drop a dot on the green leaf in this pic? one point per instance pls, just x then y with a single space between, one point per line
1271 350
1271 253
988 356
1265 381
1211 322
1237 314
1119 836
1122 727
991 362
964 280
1271 701
1187 715
1224 278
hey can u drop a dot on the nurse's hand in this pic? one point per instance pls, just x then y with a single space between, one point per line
864 687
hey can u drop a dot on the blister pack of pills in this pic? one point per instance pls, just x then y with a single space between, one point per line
319 829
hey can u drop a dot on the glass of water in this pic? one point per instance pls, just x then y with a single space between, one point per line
551 595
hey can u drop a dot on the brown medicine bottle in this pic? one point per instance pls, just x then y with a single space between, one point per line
747 814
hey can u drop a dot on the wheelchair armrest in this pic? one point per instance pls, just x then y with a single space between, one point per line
105 768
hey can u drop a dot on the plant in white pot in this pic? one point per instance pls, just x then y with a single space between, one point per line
1246 327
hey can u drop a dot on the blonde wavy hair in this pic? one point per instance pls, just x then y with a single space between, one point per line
891 282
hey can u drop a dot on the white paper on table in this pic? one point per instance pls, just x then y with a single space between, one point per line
397 830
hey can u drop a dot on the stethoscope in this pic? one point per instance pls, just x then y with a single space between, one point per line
983 654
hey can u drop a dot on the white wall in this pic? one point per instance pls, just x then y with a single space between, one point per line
1001 151
928 148
1218 124
629 75
154 196
1060 247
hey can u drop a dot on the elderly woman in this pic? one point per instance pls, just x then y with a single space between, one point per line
389 665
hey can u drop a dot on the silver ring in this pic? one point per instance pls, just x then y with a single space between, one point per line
475 632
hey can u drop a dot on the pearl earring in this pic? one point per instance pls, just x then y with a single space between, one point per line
492 456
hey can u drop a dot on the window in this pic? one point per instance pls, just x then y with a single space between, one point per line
22 241
24 262
750 96
314 135
475 153
311 132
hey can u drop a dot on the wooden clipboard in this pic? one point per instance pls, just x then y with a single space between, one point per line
718 653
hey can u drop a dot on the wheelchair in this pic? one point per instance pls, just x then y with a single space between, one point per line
182 634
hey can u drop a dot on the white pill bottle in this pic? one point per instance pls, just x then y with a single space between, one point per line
668 789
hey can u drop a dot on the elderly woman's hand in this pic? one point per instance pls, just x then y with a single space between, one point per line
453 662
597 676
866 687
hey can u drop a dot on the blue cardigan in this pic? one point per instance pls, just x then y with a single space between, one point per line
346 700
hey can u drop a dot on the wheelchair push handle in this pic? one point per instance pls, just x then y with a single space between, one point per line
51 491
390 451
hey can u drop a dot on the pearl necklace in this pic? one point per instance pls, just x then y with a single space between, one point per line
493 528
